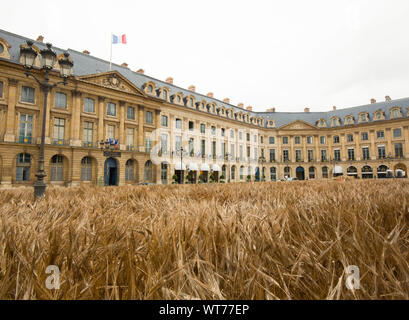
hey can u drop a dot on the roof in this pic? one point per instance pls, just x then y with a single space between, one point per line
85 64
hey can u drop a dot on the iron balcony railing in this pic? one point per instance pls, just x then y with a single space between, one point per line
25 139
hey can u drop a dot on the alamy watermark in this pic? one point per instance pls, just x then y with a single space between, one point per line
352 281
53 280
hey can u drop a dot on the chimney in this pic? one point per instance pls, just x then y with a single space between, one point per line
125 65
86 52
226 100
388 98
334 108
192 88
169 80
40 39
210 94
249 108
141 71
306 109
240 105
373 101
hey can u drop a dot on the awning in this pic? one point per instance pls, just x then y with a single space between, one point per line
216 168
337 170
193 167
177 166
204 167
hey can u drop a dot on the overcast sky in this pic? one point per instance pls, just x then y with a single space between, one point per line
283 54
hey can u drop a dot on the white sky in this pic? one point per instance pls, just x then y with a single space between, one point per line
286 54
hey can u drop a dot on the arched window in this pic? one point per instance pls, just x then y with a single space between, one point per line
129 170
148 171
23 167
382 172
311 172
233 173
165 95
395 113
164 172
224 171
86 169
57 168
367 172
249 173
352 171
273 173
191 103
150 88
325 172
287 172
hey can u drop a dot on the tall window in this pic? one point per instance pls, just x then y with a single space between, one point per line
214 149
178 123
130 113
164 172
323 155
27 94
111 109
285 140
297 140
148 143
222 132
285 155
309 140
364 136
148 171
60 100
1 89
110 131
86 169
165 95
311 172
191 147
365 153
325 172
149 117
59 130
337 155
88 132
164 142
232 150
129 170
129 137
351 154
213 129
248 137
178 143
248 152
223 148
203 147
233 173
273 173
380 134
398 150
241 173
272 155
202 128
381 152
397 133
350 138
271 140
297 155
322 140
232 133
57 168
26 128
164 121
310 155
241 152
23 167
191 126
336 139
240 135
89 105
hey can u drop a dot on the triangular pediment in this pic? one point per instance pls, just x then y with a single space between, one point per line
113 80
298 125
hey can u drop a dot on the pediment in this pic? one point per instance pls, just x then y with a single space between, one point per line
112 80
298 125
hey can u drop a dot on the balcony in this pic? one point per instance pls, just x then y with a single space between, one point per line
88 144
131 147
60 142
25 140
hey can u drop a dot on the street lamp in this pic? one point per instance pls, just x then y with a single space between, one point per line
49 57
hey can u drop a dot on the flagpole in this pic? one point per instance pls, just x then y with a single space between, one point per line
110 59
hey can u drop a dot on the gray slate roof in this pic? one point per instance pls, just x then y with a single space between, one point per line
86 64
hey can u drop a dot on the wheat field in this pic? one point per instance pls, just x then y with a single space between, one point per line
284 240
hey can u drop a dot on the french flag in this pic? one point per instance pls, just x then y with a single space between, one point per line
119 39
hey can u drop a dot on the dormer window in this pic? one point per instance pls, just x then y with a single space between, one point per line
150 88
349 120
396 113
335 122
164 95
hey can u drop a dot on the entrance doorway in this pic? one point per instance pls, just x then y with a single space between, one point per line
300 173
110 172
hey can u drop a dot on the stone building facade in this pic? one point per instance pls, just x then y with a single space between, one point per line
116 127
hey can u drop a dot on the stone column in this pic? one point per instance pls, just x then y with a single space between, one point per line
344 153
358 153
141 142
76 119
10 135
405 134
389 147
122 133
373 150
101 114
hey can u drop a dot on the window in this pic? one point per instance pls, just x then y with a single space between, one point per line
148 171
273 174
164 121
285 140
213 130
57 168
164 143
178 143
165 95
23 167
191 126
337 155
395 113
191 103
397 133
272 155
27 94
164 173
364 136
241 173
202 128
297 140
335 122
60 100
297 155
363 117
222 132
111 109
248 152
233 172
240 135
398 150
350 137
214 149
285 155
129 170
261 139
223 148
248 137
325 172
178 124
89 105
323 155
309 140
241 152
232 133
310 155
148 143
271 140
59 130
1 89
365 153
191 147
110 132
150 88
203 147
380 134
149 117
351 154
378 115
26 128
86 169
322 140
130 137
255 138
130 113
381 152
336 139
255 154
88 132
311 172
232 151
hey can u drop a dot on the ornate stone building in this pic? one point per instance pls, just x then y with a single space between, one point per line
123 127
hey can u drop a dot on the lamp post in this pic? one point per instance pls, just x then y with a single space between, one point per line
49 57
